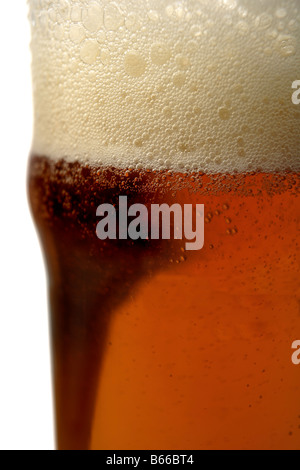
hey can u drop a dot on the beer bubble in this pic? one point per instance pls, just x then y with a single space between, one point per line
44 21
232 4
179 12
92 76
132 22
242 27
138 143
191 46
263 21
224 114
167 111
92 17
281 13
89 51
293 25
59 32
228 20
134 64
286 45
182 62
169 10
160 53
52 15
113 17
76 14
179 79
272 33
268 51
196 30
101 37
63 9
77 33
153 15
105 56
243 12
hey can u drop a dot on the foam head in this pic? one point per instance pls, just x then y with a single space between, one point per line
188 85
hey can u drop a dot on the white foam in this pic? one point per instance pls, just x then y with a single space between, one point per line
189 85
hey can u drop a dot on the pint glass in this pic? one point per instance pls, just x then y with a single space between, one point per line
186 105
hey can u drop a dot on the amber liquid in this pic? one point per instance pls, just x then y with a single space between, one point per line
157 348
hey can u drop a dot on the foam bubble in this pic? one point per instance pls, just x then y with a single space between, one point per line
195 84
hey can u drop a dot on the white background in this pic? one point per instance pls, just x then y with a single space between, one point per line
25 387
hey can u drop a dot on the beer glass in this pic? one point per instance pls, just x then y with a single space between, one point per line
166 105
